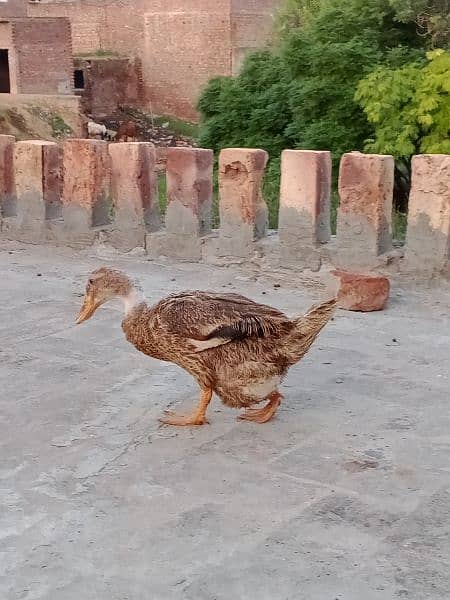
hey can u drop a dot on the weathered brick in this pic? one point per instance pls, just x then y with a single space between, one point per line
189 174
38 187
43 51
358 292
134 193
304 218
428 234
53 181
7 189
189 187
243 212
366 183
86 191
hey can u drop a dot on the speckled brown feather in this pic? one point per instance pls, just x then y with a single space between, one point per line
263 344
230 344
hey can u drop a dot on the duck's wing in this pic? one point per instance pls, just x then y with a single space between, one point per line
207 320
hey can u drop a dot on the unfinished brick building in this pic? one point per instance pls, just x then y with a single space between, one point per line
105 83
35 56
176 45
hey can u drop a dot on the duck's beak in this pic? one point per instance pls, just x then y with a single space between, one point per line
88 309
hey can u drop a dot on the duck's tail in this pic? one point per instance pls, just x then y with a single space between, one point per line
306 329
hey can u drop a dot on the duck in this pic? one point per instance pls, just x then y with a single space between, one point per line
237 348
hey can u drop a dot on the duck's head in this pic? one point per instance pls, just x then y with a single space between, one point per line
105 284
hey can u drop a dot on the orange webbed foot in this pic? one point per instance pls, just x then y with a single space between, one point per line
198 417
263 415
171 418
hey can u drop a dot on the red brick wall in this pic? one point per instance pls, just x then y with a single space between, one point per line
182 52
87 17
13 8
255 6
44 56
108 82
251 28
181 43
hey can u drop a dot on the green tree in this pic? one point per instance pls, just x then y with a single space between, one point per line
250 110
409 110
301 93
432 18
294 14
409 107
327 58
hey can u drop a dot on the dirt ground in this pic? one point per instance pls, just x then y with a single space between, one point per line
56 118
344 496
41 117
157 130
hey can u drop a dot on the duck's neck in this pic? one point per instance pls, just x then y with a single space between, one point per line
132 300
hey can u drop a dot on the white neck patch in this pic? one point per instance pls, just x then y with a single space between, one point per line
134 298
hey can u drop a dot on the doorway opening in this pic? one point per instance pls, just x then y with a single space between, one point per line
5 86
78 78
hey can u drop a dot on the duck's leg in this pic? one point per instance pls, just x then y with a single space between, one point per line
262 415
198 417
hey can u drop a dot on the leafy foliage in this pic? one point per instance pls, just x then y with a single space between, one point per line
301 92
251 110
409 107
293 14
432 18
59 127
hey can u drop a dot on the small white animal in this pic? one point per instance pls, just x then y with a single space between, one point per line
96 130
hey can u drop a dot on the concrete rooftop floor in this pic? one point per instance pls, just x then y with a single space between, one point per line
345 496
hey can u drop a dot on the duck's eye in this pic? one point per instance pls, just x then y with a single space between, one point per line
91 282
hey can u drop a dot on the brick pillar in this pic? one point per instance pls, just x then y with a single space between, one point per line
7 189
366 183
86 191
304 221
38 187
428 234
134 194
243 212
189 200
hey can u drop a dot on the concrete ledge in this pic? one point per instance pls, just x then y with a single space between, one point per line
38 178
134 194
243 212
304 221
86 197
428 234
364 231
8 206
90 193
